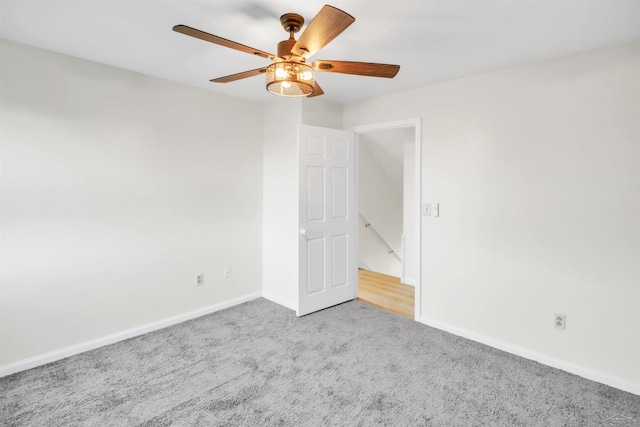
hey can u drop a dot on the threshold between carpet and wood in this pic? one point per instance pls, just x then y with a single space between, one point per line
386 292
257 364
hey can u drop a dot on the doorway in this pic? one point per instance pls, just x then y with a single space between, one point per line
388 224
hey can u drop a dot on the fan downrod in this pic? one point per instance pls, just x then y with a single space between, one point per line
291 22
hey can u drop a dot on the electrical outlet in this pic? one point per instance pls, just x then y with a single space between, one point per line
560 321
226 272
200 279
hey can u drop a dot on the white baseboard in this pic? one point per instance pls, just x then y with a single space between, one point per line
65 352
283 302
408 281
538 357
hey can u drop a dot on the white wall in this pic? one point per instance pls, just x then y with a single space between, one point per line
373 253
378 201
280 202
318 112
536 170
117 189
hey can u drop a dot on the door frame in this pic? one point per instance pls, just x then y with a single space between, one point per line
399 124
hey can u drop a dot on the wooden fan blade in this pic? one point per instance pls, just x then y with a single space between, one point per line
317 90
220 41
323 28
358 68
238 76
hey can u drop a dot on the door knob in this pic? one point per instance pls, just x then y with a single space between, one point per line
305 233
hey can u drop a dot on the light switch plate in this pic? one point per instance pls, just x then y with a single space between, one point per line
426 209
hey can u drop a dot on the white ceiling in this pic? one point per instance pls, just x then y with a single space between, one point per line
433 41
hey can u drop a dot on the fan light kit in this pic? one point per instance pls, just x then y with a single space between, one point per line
290 75
290 79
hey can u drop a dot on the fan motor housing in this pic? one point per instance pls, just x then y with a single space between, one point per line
284 48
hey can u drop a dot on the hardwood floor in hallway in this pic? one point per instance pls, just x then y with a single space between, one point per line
386 292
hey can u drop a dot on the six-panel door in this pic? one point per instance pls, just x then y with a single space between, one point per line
327 268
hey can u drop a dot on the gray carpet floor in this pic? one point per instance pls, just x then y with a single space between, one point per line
256 364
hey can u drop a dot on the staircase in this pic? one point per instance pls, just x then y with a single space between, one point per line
375 252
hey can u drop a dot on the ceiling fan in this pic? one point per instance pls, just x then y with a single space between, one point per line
290 74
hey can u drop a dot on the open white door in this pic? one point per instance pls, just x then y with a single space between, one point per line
326 250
